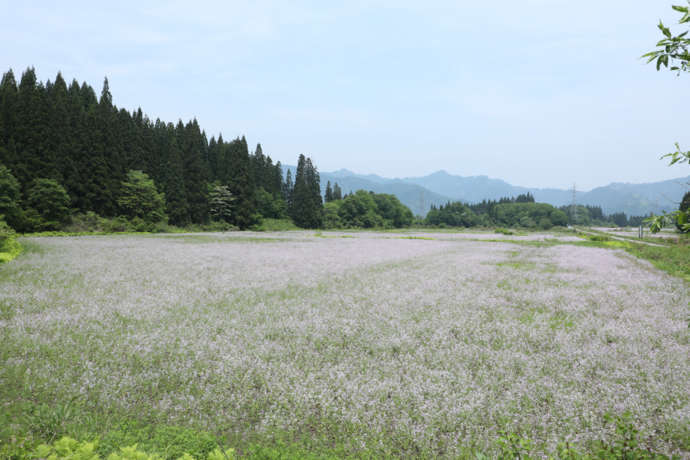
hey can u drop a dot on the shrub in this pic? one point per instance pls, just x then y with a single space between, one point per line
71 449
140 199
545 223
9 247
275 225
48 205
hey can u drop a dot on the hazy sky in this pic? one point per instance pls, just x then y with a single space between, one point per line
536 92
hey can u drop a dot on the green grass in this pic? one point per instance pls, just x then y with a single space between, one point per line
673 259
275 225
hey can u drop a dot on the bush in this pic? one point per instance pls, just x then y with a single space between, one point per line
9 247
141 200
5 233
275 225
86 222
545 223
364 209
504 231
269 206
331 219
48 205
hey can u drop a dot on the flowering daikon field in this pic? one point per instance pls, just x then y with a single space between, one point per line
396 344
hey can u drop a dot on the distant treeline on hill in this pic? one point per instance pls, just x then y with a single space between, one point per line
523 212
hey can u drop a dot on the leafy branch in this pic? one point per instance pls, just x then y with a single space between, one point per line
672 49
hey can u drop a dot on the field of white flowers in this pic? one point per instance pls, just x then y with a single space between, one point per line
420 342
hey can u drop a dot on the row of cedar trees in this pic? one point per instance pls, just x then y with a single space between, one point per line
65 133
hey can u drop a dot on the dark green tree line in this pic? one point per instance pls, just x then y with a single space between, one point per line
87 145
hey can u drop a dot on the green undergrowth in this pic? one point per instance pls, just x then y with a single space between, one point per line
275 225
168 443
10 249
36 430
9 246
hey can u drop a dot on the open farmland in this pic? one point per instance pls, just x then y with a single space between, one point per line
406 344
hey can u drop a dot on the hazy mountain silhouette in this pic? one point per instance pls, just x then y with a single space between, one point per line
419 193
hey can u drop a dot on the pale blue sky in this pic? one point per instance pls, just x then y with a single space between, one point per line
536 92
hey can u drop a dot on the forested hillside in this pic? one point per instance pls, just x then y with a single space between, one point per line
59 135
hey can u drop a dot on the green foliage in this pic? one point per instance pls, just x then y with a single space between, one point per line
331 218
9 246
673 258
364 209
627 444
527 215
337 192
504 231
139 198
275 225
269 205
9 194
328 196
510 212
282 451
453 215
683 217
559 218
170 442
513 446
306 207
673 50
48 205
67 449
394 213
220 202
70 449
87 144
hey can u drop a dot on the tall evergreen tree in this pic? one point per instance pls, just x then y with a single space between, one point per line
241 183
193 146
337 192
288 188
307 208
328 197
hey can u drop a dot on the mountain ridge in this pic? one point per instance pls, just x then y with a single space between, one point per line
440 187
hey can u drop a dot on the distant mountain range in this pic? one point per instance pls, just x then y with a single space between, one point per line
419 193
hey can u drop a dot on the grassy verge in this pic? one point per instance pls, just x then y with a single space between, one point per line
672 258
